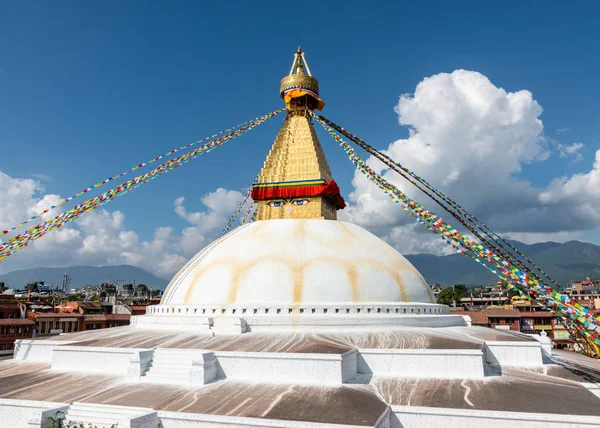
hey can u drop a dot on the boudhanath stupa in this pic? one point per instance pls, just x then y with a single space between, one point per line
298 320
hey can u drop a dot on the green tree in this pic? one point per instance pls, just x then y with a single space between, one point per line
75 297
461 291
447 297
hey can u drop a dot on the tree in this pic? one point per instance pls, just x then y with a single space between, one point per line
75 297
447 297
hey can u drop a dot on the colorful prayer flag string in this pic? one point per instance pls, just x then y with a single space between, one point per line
578 316
22 240
135 168
452 207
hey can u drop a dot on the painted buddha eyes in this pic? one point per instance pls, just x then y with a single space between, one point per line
297 202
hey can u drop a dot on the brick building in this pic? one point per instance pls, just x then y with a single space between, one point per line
12 326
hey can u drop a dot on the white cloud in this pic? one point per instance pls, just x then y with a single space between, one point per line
472 139
102 237
572 150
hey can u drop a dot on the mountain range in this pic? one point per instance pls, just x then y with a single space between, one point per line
570 261
82 275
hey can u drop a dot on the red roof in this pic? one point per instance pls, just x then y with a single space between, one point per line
503 313
477 317
16 321
55 315
116 317
13 306
94 318
537 314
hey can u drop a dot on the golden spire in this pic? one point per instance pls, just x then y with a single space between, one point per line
295 181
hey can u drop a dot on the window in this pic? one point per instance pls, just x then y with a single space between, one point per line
26 331
4 331
19 331
43 329
11 332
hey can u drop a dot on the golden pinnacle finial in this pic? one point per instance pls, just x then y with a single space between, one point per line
300 83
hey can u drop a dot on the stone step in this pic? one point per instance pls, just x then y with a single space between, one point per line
94 420
168 364
104 415
165 365
114 409
177 360
165 351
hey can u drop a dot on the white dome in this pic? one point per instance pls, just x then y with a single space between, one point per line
297 262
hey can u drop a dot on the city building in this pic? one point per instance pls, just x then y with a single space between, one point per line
12 326
298 320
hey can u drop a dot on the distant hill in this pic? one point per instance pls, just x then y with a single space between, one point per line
571 261
82 275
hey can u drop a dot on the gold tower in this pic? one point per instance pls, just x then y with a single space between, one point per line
295 181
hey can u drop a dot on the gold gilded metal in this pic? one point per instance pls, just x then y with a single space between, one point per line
298 77
297 154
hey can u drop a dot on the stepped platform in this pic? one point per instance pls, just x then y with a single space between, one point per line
321 379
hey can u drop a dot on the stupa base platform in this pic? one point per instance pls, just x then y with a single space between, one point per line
403 377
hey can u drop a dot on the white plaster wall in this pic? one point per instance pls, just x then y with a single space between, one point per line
422 363
189 420
175 322
339 259
342 323
288 367
36 350
518 354
428 417
20 413
101 360
320 307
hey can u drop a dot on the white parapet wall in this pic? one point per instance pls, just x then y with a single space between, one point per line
24 413
427 417
190 420
272 367
183 322
37 350
119 361
422 363
519 354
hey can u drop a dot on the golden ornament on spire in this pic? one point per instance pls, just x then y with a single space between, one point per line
300 88
295 181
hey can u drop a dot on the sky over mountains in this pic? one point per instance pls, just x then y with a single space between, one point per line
474 108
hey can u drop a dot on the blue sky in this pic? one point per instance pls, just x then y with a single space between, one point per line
88 89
